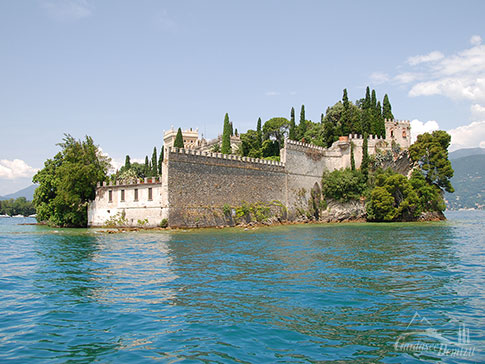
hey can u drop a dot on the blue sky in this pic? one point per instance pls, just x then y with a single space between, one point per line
124 71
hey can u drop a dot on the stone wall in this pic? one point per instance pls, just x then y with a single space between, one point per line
200 184
154 210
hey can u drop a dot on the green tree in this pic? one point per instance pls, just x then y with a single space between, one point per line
260 134
226 136
154 162
293 132
343 185
381 205
302 126
387 109
352 158
179 139
147 169
276 128
68 182
364 166
250 144
430 151
160 160
345 120
127 162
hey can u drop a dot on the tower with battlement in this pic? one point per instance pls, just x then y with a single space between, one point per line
398 131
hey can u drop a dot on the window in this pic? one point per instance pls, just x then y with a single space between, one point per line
110 196
122 195
392 133
404 133
136 194
150 194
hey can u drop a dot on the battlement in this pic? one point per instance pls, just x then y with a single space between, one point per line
360 137
224 156
304 145
405 123
131 182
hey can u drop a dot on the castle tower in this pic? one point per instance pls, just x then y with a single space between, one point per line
398 131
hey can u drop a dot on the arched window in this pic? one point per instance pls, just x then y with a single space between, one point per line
392 133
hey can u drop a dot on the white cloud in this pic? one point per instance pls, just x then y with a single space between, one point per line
408 77
272 93
418 128
165 22
379 77
468 136
66 10
14 169
475 40
478 112
430 57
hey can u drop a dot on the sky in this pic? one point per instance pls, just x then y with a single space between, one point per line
122 72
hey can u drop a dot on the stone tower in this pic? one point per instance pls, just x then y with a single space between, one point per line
399 131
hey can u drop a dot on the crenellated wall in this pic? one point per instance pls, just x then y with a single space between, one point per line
200 184
196 186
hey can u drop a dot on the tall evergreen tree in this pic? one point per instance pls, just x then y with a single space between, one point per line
373 100
231 128
226 136
147 167
154 162
235 132
292 133
364 166
259 134
302 126
352 158
345 122
127 162
366 115
179 139
387 109
381 127
160 160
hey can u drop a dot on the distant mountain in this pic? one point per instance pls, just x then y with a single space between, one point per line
27 192
468 181
460 153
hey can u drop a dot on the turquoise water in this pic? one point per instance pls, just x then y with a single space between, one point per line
307 293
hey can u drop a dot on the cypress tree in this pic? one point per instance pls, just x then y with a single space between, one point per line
381 127
364 166
232 130
387 109
292 133
160 160
147 167
260 134
154 162
235 132
226 136
302 125
127 162
179 139
345 121
373 100
366 115
352 158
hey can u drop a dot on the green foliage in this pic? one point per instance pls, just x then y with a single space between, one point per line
430 151
250 144
352 158
226 209
292 133
127 162
117 220
68 182
276 129
164 223
270 148
226 136
387 109
146 169
429 195
302 126
393 198
364 166
160 161
343 185
19 206
154 163
142 223
179 140
216 148
260 135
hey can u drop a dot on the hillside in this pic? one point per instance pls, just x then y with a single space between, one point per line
468 181
27 192
465 152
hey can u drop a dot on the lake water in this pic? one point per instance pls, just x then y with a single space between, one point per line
305 293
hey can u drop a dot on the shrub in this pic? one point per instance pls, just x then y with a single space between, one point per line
343 185
164 223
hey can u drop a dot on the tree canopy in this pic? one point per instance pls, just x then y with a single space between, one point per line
68 182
